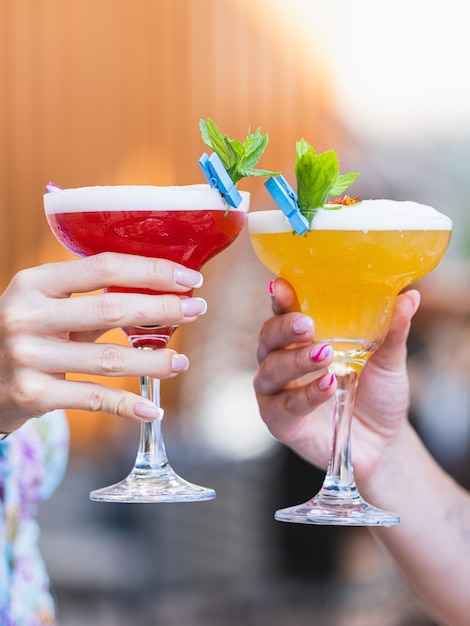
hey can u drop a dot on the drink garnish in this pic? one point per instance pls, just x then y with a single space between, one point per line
239 159
52 187
318 178
217 177
286 199
231 160
345 200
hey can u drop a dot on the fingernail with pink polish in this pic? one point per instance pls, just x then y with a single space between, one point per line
148 411
271 287
179 363
302 324
187 277
193 306
326 381
324 351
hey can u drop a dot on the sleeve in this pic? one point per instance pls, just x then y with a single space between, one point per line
32 464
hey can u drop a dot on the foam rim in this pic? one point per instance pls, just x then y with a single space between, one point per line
365 215
139 198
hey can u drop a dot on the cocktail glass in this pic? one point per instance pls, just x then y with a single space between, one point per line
186 224
347 271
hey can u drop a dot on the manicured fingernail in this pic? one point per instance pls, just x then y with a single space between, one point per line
302 324
417 301
318 353
193 306
179 363
148 411
326 381
271 287
187 277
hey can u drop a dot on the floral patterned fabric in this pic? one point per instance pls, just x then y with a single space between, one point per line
32 463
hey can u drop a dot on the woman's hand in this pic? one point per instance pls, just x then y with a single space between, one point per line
392 467
292 383
295 393
45 334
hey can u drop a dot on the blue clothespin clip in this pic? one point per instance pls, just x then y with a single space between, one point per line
286 198
218 178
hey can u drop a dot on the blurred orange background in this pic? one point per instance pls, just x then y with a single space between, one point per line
111 92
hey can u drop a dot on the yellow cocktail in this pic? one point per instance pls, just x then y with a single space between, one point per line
349 268
347 271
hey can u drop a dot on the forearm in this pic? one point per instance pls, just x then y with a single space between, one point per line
431 545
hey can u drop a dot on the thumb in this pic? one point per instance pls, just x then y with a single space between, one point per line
284 298
393 350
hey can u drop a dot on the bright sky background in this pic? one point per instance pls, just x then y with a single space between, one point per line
400 67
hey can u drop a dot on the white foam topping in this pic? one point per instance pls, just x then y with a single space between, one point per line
139 198
365 215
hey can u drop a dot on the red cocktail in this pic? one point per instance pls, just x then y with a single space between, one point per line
188 225
186 236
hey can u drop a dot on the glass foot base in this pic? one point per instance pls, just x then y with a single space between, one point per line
357 513
153 486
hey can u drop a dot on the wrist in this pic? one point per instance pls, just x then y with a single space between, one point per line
388 481
8 426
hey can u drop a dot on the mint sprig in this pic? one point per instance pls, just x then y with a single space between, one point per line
239 159
318 178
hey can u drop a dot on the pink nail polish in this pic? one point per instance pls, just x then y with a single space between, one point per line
322 353
179 363
271 287
326 381
148 411
187 277
193 306
302 324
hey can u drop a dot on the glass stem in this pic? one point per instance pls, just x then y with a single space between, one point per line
339 484
151 454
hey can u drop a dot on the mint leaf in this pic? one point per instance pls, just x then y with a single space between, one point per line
318 178
239 159
344 181
248 171
302 147
214 138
